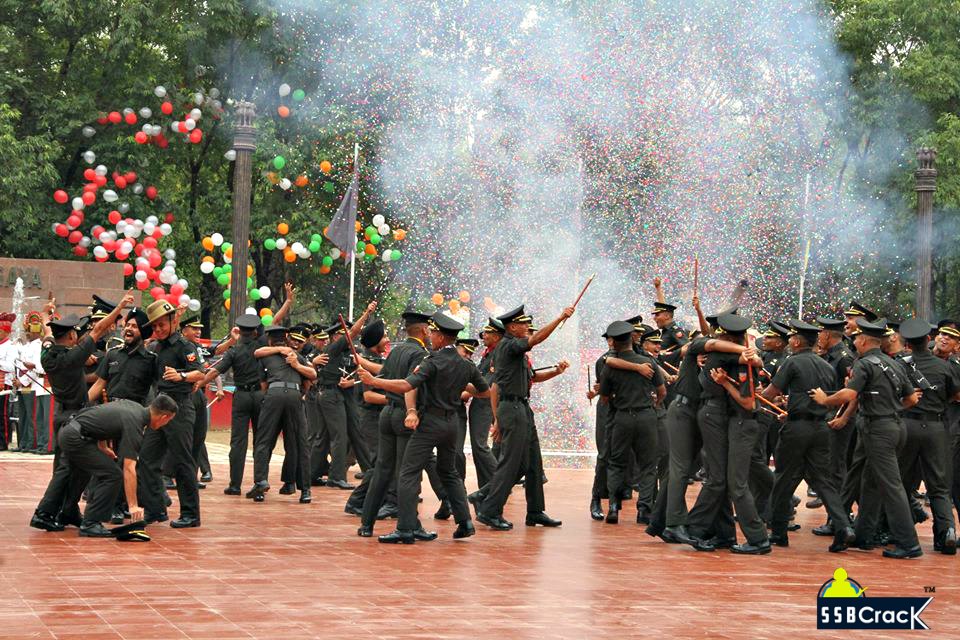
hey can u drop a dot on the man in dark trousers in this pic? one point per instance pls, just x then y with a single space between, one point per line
179 367
803 449
437 384
480 412
285 372
883 391
601 435
634 427
128 372
520 447
86 455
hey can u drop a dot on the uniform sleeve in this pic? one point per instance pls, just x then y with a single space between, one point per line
131 440
698 346
78 355
225 362
423 372
103 367
784 375
191 357
861 376
415 360
951 381
476 379
906 384
657 375
517 346
606 386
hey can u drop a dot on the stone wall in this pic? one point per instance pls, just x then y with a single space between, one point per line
72 283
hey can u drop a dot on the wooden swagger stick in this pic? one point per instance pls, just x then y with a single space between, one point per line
577 301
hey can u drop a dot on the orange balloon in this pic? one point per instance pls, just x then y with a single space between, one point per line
454 306
207 259
464 296
283 228
272 177
324 270
289 255
358 225
325 229
266 311
326 167
283 111
301 181
399 234
249 270
370 250
207 243
437 299
226 304
229 252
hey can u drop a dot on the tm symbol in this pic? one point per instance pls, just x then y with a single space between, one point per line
929 589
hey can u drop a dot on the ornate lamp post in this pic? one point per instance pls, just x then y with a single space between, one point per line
244 143
926 185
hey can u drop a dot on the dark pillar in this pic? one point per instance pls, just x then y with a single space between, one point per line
244 143
926 184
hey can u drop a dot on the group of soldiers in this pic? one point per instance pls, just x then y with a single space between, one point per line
861 408
396 410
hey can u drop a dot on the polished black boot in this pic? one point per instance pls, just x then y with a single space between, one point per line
596 509
613 512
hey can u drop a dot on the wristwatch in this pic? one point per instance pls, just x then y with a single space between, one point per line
183 376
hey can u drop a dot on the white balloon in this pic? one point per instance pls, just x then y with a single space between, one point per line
149 229
383 229
137 189
217 105
386 256
146 128
195 113
172 265
281 244
142 263
169 254
126 247
284 90
101 170
139 276
264 292
100 252
190 123
378 220
335 253
184 299
84 241
53 226
127 110
123 208
230 155
198 98
138 224
145 112
183 283
166 229
194 304
159 91
89 157
206 267
175 127
297 247
88 131
214 92
250 311
77 204
227 260
285 184
217 239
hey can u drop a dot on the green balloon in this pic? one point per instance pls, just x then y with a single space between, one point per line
216 272
226 294
226 246
369 231
269 244
360 246
266 321
223 279
228 268
299 95
249 283
254 294
327 261
329 187
316 238
375 239
368 257
314 246
279 162
395 255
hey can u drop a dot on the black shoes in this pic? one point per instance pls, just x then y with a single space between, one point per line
424 535
596 509
676 535
919 514
365 531
305 497
318 482
72 519
759 549
45 521
206 477
340 484
150 518
948 545
443 513
185 522
825 529
168 483
902 553
476 499
794 501
398 537
166 499
94 530
495 522
542 519
842 540
388 511
779 539
257 490
116 518
288 489
231 491
352 509
712 544
613 513
464 530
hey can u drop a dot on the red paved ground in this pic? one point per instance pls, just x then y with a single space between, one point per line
285 570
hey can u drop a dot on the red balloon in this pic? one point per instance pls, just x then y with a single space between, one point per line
155 259
138 250
89 174
143 284
96 231
169 218
89 197
73 222
140 137
151 192
115 117
110 245
102 120
182 127
120 256
150 242
157 234
166 108
157 292
162 142
79 251
195 136
60 196
152 274
121 182
99 259
131 118
127 269
114 217
176 290
130 177
91 186
174 300
62 230
75 236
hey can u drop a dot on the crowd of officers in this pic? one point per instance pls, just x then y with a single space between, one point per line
397 411
861 408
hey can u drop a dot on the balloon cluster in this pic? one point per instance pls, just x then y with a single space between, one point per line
215 244
457 304
297 96
373 236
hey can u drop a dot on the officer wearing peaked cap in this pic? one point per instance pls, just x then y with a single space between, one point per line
883 391
673 335
480 412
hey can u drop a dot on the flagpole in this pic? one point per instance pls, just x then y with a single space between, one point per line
353 254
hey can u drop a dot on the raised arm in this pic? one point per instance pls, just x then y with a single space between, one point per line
106 324
287 305
544 332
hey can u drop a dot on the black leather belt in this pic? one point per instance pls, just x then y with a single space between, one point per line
284 385
443 413
715 402
511 398
923 416
248 387
683 400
